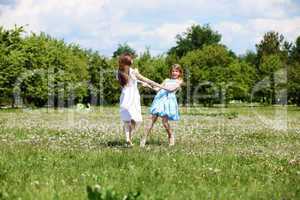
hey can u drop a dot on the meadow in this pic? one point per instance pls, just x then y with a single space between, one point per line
220 153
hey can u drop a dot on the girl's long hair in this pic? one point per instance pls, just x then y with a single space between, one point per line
125 60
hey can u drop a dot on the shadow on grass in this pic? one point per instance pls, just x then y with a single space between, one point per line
122 143
115 143
155 142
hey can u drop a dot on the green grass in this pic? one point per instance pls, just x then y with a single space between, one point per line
220 153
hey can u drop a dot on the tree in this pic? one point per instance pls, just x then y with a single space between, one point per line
271 44
59 72
293 75
12 59
124 48
270 64
216 76
196 37
294 83
295 52
249 57
273 54
103 85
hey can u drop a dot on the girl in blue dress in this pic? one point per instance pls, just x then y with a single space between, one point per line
165 104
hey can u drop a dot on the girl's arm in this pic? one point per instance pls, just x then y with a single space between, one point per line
146 80
145 84
157 88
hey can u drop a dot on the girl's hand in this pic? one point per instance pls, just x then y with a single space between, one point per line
146 80
146 85
156 88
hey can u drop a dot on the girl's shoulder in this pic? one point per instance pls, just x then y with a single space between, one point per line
133 70
179 81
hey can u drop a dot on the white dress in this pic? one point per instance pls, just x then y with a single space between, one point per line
130 104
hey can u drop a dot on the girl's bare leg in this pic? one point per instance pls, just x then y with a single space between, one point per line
129 127
168 129
148 131
127 131
134 126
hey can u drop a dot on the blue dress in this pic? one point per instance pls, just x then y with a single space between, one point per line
165 103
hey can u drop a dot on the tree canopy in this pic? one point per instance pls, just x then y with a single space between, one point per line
196 37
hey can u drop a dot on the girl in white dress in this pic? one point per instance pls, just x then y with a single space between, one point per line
130 105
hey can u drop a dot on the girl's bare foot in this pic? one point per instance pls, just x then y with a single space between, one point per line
129 143
171 141
143 142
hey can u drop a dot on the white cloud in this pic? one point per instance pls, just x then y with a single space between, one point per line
167 32
244 35
84 22
289 27
214 8
163 37
263 8
102 24
51 15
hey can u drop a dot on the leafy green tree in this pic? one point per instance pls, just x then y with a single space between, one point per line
273 54
216 76
12 59
295 52
249 57
104 88
240 76
271 44
294 83
293 75
34 80
269 65
196 37
62 72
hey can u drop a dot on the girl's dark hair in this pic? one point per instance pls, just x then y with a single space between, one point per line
125 60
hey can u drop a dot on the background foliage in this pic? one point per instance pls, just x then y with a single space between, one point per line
45 71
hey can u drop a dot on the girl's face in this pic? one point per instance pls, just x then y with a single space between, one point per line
175 73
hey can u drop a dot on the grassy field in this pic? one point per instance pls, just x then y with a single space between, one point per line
220 153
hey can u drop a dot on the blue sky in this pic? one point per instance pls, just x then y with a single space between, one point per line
103 24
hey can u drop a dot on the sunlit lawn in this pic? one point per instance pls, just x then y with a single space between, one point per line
220 153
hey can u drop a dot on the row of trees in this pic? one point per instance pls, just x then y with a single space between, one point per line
40 70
